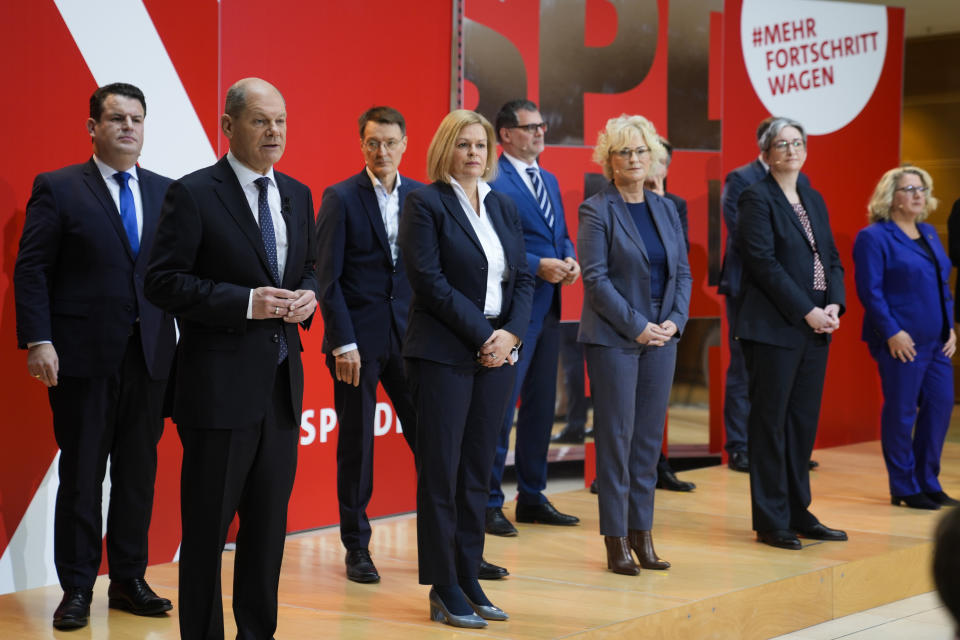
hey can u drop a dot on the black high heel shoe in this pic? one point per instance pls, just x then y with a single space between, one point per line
915 501
440 613
943 499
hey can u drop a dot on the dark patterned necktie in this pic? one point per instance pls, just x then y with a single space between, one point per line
545 209
270 246
819 277
128 211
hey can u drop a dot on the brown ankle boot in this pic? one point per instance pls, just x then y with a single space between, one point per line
619 559
642 544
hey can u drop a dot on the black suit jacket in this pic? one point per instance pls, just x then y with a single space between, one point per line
777 285
362 292
207 256
76 280
448 274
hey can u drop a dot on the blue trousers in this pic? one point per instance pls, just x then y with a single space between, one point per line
536 386
917 402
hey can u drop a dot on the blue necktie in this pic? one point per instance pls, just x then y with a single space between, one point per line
128 211
270 245
542 199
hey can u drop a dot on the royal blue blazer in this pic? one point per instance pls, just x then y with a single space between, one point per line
898 286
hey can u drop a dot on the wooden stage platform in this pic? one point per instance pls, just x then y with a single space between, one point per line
723 583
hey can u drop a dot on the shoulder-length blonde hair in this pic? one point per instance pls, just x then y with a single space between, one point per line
882 200
440 152
617 133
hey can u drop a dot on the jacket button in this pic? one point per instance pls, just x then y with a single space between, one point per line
275 338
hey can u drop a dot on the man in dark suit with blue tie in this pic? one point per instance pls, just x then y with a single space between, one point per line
551 257
234 259
364 299
101 348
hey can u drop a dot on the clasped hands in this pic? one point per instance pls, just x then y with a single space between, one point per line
498 349
553 270
902 346
825 320
290 306
657 335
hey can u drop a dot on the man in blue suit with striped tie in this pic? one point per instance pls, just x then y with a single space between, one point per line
550 256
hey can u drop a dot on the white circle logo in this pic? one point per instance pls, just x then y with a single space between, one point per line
817 62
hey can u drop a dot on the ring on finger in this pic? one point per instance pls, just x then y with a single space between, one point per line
276 311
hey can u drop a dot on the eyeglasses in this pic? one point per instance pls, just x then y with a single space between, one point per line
783 145
374 145
626 154
532 127
912 189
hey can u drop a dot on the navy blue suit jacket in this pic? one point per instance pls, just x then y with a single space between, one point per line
540 240
899 287
777 285
616 274
362 292
448 274
207 256
76 280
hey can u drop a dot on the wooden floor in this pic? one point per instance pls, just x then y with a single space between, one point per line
723 584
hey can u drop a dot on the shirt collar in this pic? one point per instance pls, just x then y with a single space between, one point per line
519 164
107 171
245 174
482 190
377 184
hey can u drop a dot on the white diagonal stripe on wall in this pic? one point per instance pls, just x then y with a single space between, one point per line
120 44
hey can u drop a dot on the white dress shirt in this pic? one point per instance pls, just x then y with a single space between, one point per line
246 177
489 241
114 188
521 168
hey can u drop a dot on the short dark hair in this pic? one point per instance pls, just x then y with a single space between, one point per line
669 147
507 116
383 115
763 126
114 89
946 562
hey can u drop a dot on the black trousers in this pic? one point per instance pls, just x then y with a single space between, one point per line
249 472
119 417
356 412
459 414
786 386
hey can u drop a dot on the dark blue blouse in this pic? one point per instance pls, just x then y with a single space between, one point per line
654 245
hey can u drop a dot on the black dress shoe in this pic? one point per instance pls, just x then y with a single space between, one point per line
812 464
942 499
360 567
490 571
821 531
568 436
74 609
916 501
667 479
780 538
544 513
136 596
739 461
497 523
593 487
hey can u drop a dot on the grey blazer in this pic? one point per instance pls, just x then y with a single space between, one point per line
616 270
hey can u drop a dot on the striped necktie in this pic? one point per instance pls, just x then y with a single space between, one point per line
541 192
269 237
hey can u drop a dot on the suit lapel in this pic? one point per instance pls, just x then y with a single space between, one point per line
450 201
518 184
902 238
94 180
622 215
786 209
368 197
495 213
661 220
151 211
235 202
